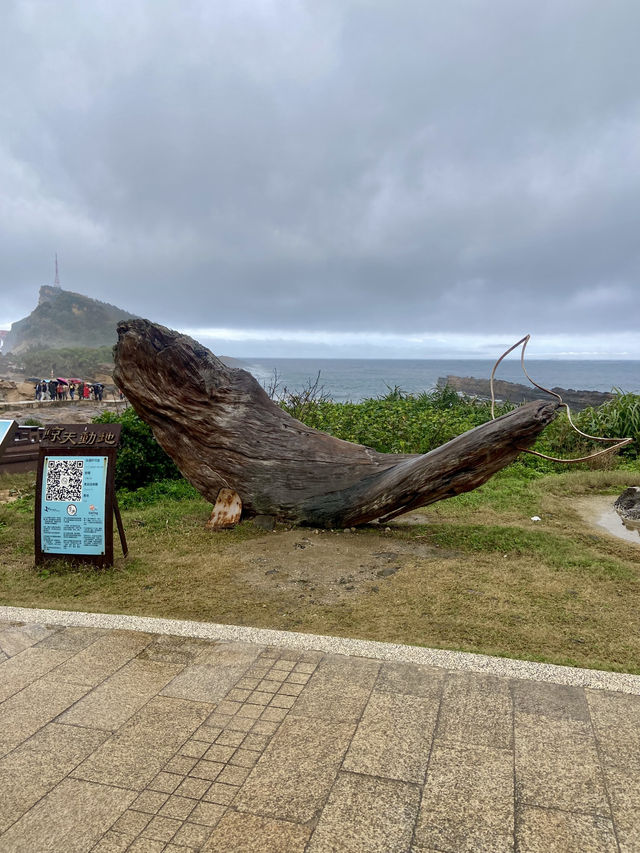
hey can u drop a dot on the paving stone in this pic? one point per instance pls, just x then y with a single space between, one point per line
393 739
550 831
17 638
112 842
136 753
288 665
229 708
255 742
251 711
25 667
33 707
207 733
297 678
194 748
207 770
214 673
247 683
150 801
275 715
147 845
231 738
295 773
70 819
280 701
556 701
245 724
238 695
121 695
103 657
165 782
245 833
271 685
218 752
476 709
244 758
72 639
623 786
193 787
35 767
162 828
467 804
231 775
616 722
338 690
410 678
290 689
259 697
180 764
177 807
207 813
132 822
177 650
557 765
221 794
218 721
192 836
366 815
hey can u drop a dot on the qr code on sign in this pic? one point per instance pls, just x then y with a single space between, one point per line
64 480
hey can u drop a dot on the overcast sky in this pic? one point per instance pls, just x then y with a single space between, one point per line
424 178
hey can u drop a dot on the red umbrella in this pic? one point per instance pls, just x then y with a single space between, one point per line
62 381
76 380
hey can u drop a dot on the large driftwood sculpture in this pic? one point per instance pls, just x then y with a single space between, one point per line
224 433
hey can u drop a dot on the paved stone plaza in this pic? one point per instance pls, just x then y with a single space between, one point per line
114 740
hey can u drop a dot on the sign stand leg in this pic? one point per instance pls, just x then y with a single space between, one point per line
116 512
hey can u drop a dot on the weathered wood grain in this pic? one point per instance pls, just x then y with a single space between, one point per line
223 431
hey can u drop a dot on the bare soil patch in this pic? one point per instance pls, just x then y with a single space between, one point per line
328 567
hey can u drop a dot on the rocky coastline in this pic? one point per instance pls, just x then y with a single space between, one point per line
513 392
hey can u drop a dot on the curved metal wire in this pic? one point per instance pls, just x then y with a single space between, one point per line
620 442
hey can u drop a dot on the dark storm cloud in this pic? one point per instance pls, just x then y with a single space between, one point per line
470 166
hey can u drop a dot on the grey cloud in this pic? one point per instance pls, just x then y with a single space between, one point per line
346 166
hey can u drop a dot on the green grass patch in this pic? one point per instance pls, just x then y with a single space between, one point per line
475 574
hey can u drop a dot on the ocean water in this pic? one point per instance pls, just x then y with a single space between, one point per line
359 379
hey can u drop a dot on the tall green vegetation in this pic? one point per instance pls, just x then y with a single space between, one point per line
82 362
141 460
401 423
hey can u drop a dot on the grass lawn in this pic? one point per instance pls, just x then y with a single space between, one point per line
472 573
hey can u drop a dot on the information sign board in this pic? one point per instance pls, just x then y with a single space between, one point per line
73 505
75 494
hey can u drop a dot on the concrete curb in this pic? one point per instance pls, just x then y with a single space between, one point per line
457 661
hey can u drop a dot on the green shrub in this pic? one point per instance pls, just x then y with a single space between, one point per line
140 460
177 490
617 418
399 422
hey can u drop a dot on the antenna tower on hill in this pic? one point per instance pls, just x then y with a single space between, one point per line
56 283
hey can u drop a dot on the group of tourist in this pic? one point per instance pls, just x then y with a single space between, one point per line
54 389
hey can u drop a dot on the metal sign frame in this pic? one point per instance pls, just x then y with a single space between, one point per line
71 442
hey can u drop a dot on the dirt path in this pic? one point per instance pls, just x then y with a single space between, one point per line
64 412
